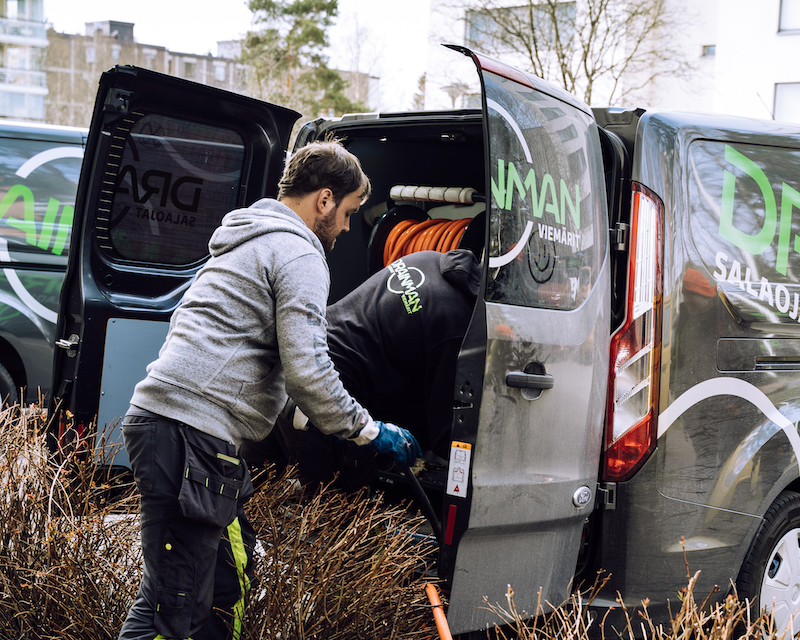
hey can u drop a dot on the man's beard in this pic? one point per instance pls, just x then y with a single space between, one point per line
325 230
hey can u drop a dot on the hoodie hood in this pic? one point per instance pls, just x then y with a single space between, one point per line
461 269
262 217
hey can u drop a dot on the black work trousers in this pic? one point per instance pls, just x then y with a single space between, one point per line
196 542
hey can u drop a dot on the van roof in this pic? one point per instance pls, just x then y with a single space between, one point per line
41 131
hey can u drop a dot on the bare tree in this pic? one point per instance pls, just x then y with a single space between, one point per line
362 54
619 46
456 90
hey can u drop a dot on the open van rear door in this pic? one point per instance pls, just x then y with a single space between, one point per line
532 430
166 159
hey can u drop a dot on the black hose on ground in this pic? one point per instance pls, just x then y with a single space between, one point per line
424 504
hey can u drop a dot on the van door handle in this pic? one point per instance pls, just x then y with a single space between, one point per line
522 380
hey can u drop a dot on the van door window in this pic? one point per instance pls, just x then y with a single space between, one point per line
546 240
168 184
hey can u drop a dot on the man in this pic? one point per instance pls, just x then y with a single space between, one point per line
394 340
249 329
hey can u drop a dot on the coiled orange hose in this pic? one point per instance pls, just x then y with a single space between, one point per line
408 236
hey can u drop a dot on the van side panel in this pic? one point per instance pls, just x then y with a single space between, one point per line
730 384
39 170
735 363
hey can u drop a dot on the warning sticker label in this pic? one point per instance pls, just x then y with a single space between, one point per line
458 469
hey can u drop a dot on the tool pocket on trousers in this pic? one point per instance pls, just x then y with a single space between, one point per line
173 615
212 481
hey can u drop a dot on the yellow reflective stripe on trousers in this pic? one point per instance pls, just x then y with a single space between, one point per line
240 561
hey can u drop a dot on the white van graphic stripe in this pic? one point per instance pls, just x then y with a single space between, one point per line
55 153
31 164
513 124
729 387
500 261
13 279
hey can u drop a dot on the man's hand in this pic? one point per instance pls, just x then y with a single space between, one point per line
396 442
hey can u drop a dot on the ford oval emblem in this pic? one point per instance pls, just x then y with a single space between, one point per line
582 497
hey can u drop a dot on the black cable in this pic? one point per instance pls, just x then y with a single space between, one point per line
425 505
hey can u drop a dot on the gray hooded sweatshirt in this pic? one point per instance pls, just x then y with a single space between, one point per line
249 329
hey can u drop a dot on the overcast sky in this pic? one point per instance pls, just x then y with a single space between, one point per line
385 38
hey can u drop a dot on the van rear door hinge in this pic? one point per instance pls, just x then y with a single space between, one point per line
69 344
607 495
619 236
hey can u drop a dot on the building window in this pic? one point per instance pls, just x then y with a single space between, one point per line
189 69
219 71
16 57
790 15
709 50
115 49
787 102
22 106
90 55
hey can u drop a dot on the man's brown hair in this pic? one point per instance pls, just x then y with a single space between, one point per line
320 165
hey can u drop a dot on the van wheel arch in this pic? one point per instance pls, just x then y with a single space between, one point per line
11 363
774 560
9 392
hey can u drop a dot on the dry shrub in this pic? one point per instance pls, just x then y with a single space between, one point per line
336 566
329 565
729 619
68 566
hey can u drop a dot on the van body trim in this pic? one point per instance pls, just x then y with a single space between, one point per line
728 387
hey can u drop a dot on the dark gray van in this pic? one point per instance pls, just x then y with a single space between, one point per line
39 170
628 378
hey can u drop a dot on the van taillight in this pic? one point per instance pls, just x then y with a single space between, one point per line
635 347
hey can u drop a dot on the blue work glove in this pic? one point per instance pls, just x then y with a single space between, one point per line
397 442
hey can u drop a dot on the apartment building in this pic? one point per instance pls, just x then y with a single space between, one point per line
74 64
23 44
745 56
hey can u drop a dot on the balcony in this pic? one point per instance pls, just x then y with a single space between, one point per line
23 32
22 80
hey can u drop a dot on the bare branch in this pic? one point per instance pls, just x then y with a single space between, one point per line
589 47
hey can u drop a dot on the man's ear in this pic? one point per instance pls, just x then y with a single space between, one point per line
325 203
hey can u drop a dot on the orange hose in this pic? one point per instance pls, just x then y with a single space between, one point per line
405 239
425 242
436 236
416 243
446 243
392 238
445 237
425 237
438 613
409 236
